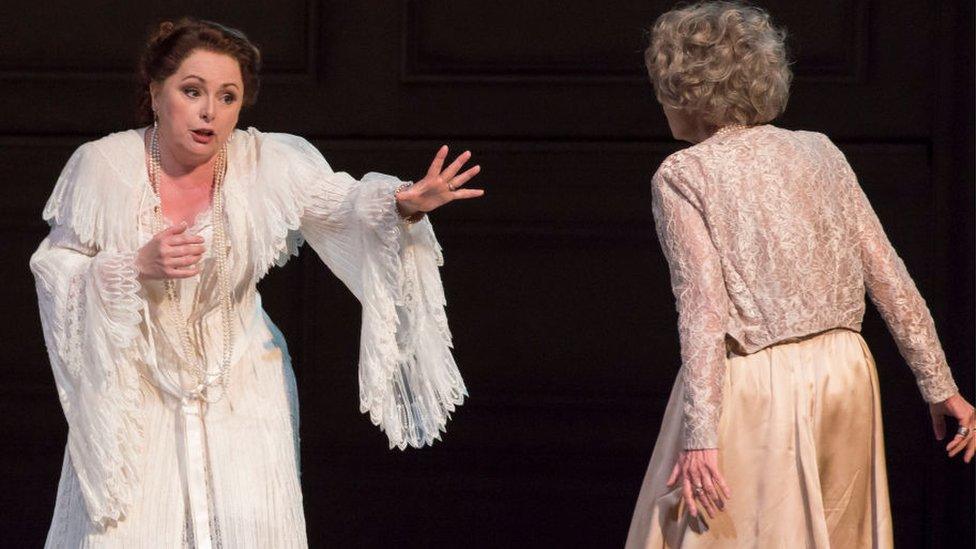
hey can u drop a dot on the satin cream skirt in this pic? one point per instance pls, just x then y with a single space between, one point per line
800 445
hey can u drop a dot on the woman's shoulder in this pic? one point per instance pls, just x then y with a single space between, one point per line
254 138
89 193
276 153
679 173
123 140
96 161
693 166
117 149
678 167
735 149
107 160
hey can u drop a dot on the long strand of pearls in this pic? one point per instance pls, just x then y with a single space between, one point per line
205 379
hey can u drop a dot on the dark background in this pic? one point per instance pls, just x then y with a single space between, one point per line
558 294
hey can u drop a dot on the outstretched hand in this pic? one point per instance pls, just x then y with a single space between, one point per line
965 437
440 185
701 481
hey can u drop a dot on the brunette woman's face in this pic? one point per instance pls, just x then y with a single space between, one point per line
198 105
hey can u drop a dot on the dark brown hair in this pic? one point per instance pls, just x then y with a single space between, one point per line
171 43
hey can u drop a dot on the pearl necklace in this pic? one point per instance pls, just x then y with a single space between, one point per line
730 128
204 378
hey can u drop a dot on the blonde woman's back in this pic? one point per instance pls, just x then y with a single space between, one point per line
795 244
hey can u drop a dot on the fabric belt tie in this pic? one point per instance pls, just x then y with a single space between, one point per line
195 479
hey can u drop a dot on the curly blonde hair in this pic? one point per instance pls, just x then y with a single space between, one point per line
723 61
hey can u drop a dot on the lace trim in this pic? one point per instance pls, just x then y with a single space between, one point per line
409 382
100 388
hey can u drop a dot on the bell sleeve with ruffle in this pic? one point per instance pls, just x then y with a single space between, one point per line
701 298
91 311
409 382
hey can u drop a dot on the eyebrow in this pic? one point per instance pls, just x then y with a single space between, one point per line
204 80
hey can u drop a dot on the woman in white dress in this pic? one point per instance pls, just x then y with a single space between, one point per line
177 388
772 436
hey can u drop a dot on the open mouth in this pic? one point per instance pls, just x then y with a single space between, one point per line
203 135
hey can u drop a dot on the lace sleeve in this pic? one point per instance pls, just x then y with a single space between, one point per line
91 311
701 299
893 292
409 382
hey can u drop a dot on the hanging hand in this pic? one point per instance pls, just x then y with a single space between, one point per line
439 186
701 481
965 439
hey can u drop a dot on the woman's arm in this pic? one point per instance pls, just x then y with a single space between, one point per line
702 301
91 312
904 311
893 292
409 382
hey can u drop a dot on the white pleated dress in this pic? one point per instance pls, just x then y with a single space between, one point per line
144 465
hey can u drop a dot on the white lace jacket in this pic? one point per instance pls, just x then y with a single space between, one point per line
769 237
110 344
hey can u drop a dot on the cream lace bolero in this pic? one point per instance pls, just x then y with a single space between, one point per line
769 237
104 329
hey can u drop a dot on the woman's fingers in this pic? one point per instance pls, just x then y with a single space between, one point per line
705 498
970 449
711 509
953 443
464 177
714 497
689 497
435 166
723 488
184 239
172 230
960 443
960 440
176 272
702 484
718 480
452 170
183 266
698 487
467 193
431 194
181 262
721 485
186 249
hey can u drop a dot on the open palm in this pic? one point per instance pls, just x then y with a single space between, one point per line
440 185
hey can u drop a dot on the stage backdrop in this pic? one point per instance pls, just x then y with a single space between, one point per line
558 295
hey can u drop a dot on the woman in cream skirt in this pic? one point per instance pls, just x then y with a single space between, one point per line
772 436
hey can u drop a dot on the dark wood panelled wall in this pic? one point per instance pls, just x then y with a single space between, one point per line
558 295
